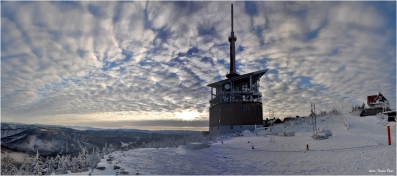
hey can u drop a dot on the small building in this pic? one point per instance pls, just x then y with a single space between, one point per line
287 119
391 115
376 103
273 121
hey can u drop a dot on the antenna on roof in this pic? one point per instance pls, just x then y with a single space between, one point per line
232 39
232 17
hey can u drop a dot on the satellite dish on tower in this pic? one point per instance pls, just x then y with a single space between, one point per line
227 86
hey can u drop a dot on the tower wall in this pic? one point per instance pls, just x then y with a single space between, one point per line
235 117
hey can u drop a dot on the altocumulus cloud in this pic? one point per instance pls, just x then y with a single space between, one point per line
64 62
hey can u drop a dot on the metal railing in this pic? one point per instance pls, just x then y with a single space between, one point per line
218 100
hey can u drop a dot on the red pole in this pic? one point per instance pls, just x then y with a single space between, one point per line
307 146
388 134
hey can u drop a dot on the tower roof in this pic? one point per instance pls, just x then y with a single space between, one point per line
255 77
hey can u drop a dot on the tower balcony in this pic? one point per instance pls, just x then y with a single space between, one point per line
237 97
234 38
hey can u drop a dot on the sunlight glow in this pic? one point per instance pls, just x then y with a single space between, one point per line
187 115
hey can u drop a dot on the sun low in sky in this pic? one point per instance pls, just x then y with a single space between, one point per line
108 64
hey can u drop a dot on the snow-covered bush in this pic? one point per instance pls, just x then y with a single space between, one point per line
381 116
326 131
261 133
248 133
8 166
322 136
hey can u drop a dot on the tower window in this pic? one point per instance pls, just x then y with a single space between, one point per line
245 108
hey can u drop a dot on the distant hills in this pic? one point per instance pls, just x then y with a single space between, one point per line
53 139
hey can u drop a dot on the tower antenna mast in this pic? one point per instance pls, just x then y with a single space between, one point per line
232 39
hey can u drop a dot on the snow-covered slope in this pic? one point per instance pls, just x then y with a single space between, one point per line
362 149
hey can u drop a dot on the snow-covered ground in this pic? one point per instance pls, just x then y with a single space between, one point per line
362 149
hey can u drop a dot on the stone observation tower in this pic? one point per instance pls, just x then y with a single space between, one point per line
236 103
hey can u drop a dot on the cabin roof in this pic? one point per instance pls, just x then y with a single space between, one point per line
274 120
380 97
255 76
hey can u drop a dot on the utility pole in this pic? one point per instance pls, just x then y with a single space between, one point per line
313 113
342 107
273 113
272 140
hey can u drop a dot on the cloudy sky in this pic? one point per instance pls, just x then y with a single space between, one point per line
147 64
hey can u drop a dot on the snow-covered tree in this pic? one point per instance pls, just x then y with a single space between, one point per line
48 166
85 161
75 167
68 161
62 166
143 145
95 158
24 169
55 162
37 165
111 148
105 150
80 162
